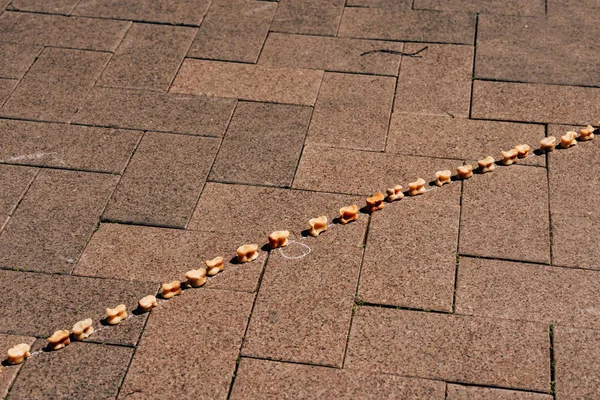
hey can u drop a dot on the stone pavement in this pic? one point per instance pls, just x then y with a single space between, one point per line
139 138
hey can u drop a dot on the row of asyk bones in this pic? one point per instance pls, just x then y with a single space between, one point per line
279 239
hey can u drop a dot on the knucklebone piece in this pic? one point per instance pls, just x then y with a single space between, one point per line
395 193
487 164
510 157
522 150
443 177
375 202
215 266
196 277
18 354
83 329
59 339
568 139
417 187
348 214
464 171
171 289
586 133
278 239
548 143
317 225
147 303
247 253
116 315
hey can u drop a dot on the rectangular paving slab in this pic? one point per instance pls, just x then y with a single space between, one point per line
508 7
316 17
205 331
304 306
388 4
9 372
268 380
16 59
55 220
453 348
163 180
15 181
461 392
45 6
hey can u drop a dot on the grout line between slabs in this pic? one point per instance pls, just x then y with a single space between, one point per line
473 68
550 232
457 263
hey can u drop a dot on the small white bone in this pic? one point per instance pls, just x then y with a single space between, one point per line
394 193
18 354
247 253
568 139
586 133
215 266
58 340
317 225
375 202
443 177
417 187
548 143
147 303
116 315
348 214
464 171
523 150
510 157
487 164
278 239
83 329
196 277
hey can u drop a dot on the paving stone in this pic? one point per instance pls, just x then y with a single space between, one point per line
66 146
438 83
362 172
45 6
80 370
509 7
55 220
206 330
262 145
352 111
6 88
56 85
574 189
16 58
401 4
304 307
163 180
500 289
460 138
585 8
505 215
250 210
416 26
51 302
481 351
535 50
156 112
332 54
148 57
9 372
269 380
316 17
535 103
460 392
576 356
15 182
248 82
60 31
410 257
233 30
162 255
188 12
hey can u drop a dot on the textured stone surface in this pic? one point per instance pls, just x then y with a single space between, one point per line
352 111
6 88
15 181
262 145
209 322
54 220
460 392
156 112
505 215
248 82
437 83
315 17
16 58
508 7
45 6
233 30
453 348
268 380
402 4
410 257
66 146
9 372
163 180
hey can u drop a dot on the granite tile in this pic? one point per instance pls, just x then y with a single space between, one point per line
6 88
423 234
159 112
56 85
16 58
262 145
60 31
51 302
331 53
362 172
317 17
303 310
148 57
15 181
576 354
505 215
163 180
9 372
454 348
534 103
55 220
352 111
460 392
248 82
162 255
269 380
45 6
66 146
233 30
409 25
437 83
80 370
189 12
391 4
534 8
500 289
206 330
